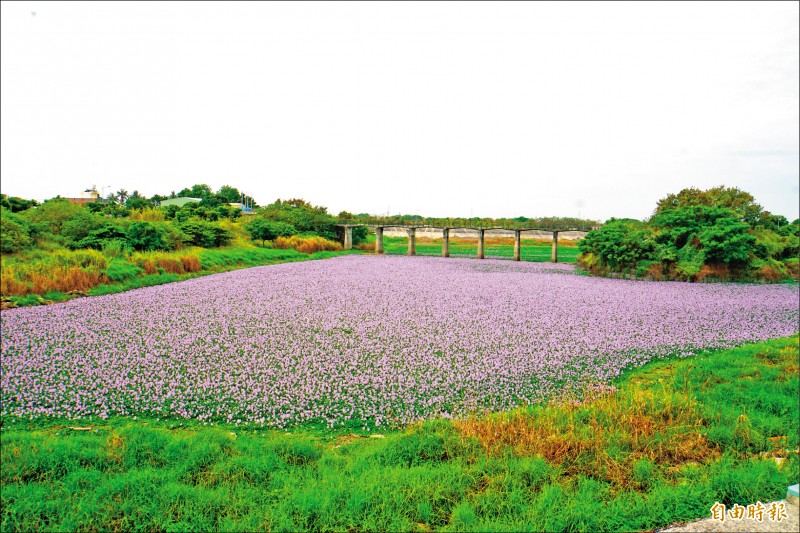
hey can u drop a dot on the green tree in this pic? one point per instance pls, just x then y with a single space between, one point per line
51 215
306 218
98 238
678 225
200 190
230 194
727 241
267 230
122 196
170 211
16 204
14 232
620 244
77 228
137 201
740 202
145 236
205 234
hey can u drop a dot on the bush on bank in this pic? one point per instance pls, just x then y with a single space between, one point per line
720 233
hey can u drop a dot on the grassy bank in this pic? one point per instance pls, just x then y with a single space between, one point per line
42 276
500 248
673 438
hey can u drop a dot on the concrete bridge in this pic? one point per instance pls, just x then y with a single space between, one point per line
412 229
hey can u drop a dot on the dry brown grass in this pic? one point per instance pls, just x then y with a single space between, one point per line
191 263
770 274
306 245
170 265
148 265
16 281
721 272
581 437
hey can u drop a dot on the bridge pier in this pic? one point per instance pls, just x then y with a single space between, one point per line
480 243
412 245
517 244
554 255
378 240
446 242
348 237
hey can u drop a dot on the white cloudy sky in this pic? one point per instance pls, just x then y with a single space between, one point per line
441 109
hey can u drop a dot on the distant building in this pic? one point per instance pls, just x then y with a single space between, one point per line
87 197
180 201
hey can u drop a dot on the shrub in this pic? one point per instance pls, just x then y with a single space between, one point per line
619 244
205 234
97 238
78 227
174 238
267 230
52 214
14 232
144 236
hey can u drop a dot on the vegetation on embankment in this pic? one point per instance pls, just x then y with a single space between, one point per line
719 234
674 438
42 278
59 250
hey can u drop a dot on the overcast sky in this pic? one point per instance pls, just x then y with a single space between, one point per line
440 109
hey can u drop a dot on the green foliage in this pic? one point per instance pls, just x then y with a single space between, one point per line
695 233
740 202
174 238
51 215
727 241
690 261
199 190
137 201
621 243
230 194
100 237
16 204
677 226
305 218
205 234
78 227
146 236
263 229
15 232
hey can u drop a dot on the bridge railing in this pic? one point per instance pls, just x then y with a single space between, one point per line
564 224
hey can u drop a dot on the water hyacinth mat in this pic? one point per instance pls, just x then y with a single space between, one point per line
370 339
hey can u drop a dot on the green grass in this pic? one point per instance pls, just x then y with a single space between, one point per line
530 250
674 438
